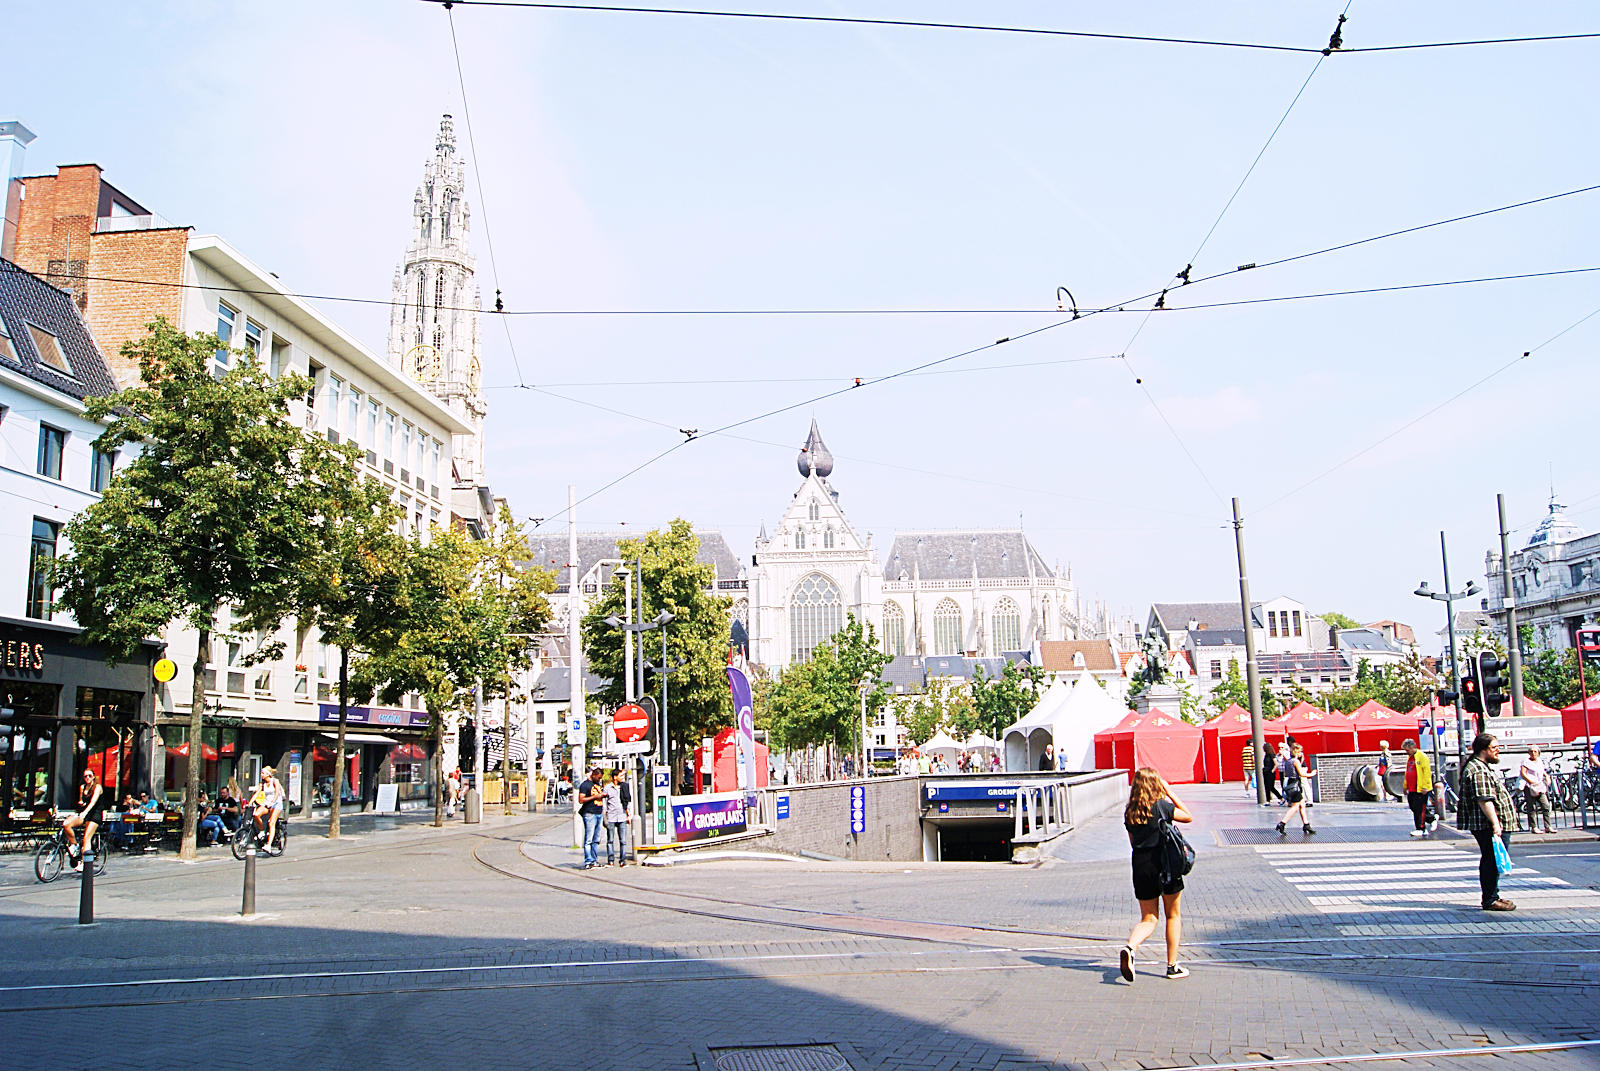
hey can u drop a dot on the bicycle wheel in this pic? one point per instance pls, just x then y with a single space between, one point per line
280 840
48 863
240 842
98 846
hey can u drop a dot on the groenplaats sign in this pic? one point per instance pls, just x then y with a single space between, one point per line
710 815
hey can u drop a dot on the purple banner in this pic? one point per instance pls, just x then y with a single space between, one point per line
400 719
714 817
739 683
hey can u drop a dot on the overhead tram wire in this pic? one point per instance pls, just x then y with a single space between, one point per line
1417 420
985 28
483 197
389 302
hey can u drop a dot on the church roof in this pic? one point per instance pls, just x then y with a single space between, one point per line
815 454
950 555
551 553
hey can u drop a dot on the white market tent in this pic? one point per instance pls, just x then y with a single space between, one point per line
1067 716
979 742
941 741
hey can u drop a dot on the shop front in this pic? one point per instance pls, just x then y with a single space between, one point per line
383 746
65 709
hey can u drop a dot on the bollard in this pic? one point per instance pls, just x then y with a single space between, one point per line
249 906
86 891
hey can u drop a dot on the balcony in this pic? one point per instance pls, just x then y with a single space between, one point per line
112 224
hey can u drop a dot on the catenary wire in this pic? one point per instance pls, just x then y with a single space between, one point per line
483 197
917 24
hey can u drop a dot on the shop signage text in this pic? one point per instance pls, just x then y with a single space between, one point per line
24 655
400 719
708 816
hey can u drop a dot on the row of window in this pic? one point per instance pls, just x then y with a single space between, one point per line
800 540
53 448
1278 622
47 345
817 612
350 414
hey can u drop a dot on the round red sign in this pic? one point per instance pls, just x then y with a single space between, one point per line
631 722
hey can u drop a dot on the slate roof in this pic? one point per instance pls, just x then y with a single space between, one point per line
550 551
1098 656
1175 616
1367 639
1217 637
949 555
906 672
25 299
557 684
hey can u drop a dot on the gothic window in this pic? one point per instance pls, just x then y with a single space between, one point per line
438 338
894 628
444 220
815 613
741 612
947 628
827 538
438 294
813 512
800 540
422 293
1007 625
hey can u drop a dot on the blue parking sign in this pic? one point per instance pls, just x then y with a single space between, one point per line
858 808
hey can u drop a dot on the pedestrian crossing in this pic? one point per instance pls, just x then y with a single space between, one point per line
1410 877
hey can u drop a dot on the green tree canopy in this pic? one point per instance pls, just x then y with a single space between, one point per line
1337 620
818 701
997 702
698 700
226 503
944 703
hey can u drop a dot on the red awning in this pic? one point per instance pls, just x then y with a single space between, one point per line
207 752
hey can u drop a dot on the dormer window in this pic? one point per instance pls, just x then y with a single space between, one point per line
7 350
49 348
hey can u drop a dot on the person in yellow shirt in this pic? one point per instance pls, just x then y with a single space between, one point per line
1419 786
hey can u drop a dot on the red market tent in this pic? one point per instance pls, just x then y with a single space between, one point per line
1316 730
1374 722
1106 744
725 762
1572 721
1225 737
1170 745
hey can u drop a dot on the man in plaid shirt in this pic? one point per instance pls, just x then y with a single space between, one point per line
1485 805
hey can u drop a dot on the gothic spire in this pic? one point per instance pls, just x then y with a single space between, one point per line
814 456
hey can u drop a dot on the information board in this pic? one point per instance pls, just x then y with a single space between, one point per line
858 808
782 810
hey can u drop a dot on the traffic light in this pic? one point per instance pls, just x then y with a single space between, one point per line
1471 698
1492 682
1447 698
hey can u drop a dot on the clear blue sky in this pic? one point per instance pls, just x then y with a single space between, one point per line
653 162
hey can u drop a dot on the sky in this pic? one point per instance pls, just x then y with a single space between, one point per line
627 162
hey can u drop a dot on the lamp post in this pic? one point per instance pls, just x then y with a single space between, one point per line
1449 597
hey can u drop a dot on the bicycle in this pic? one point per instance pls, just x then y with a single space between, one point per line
246 835
52 857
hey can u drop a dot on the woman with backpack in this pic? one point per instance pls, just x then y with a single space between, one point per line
1292 771
1151 805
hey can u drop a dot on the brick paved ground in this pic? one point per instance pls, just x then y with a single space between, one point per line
400 948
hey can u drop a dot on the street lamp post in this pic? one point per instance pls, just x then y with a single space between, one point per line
1449 597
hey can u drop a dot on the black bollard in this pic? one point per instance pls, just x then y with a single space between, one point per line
86 891
249 906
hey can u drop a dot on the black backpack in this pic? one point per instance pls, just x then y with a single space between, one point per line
1177 854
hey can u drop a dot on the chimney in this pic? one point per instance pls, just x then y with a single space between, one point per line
14 139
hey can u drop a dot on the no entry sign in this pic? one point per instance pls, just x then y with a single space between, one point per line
631 722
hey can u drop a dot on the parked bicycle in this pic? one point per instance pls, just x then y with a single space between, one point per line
53 856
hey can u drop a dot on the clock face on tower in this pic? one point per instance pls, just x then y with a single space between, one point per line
475 375
421 363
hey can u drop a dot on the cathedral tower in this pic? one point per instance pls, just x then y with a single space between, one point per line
434 323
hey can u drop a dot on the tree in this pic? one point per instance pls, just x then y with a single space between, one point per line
819 701
698 699
944 703
1233 689
226 502
1337 620
1001 701
1548 675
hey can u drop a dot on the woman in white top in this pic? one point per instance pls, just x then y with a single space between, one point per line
1535 789
616 817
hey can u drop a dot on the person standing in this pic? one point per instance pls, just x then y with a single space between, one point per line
452 793
617 803
1047 761
1535 789
1293 773
1419 785
1151 802
591 800
1385 793
1247 760
1485 805
1269 770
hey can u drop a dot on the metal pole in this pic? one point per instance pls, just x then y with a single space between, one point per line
863 731
86 889
248 908
1455 666
627 635
575 655
1258 736
1509 600
1588 743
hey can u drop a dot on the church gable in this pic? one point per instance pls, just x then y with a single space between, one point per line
814 521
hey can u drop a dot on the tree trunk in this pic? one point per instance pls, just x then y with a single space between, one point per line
505 760
191 781
438 772
338 748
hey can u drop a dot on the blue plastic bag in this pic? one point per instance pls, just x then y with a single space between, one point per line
1502 858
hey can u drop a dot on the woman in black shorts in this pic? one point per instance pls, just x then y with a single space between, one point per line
92 807
1150 801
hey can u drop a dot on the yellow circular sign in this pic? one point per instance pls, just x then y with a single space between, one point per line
165 670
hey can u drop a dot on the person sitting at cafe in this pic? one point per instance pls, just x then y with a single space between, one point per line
118 831
227 809
148 805
210 827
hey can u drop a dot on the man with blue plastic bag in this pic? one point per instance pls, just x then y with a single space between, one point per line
1485 807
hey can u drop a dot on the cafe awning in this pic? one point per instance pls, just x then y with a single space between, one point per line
362 738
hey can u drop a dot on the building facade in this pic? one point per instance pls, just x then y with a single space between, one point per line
1555 578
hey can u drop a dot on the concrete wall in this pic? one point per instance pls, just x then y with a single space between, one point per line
1091 795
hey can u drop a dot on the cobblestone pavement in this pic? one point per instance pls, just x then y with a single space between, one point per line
412 946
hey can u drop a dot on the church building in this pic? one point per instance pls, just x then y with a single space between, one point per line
978 593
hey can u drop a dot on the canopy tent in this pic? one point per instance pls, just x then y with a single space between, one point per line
1026 739
725 763
1317 730
1067 717
1107 741
1573 727
979 742
1160 740
941 741
1375 723
1224 739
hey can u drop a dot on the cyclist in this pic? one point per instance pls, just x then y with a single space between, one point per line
91 808
268 802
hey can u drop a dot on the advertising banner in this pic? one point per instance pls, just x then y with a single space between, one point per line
746 724
328 713
710 815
